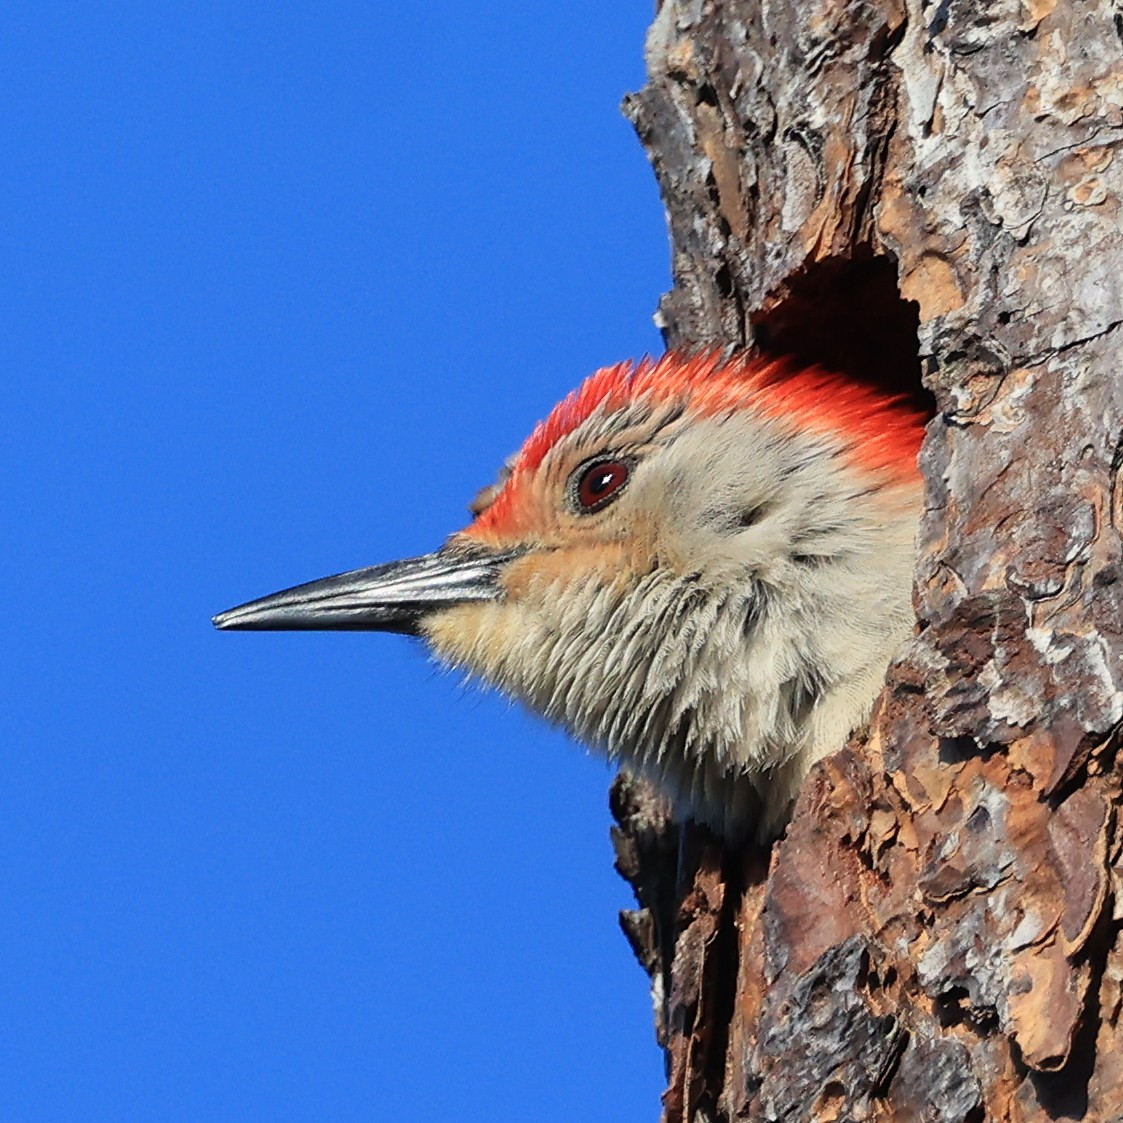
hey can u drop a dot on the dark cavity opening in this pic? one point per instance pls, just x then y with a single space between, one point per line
849 317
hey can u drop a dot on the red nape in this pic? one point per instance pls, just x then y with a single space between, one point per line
882 431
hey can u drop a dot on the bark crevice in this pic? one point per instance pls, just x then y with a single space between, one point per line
929 197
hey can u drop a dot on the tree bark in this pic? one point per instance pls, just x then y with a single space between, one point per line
914 191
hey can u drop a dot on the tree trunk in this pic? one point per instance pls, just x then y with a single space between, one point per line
905 191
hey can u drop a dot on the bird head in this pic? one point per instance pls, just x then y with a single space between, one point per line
700 565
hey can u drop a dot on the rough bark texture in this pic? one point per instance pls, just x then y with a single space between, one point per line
903 190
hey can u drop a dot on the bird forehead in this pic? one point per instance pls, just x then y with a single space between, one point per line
639 402
488 494
528 488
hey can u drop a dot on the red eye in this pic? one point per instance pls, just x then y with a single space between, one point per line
597 483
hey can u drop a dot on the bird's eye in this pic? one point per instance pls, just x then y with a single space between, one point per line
596 484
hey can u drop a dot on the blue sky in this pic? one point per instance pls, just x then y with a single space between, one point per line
282 286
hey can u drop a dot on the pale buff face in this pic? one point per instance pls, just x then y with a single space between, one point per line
733 606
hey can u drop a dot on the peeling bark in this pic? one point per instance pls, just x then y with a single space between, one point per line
901 189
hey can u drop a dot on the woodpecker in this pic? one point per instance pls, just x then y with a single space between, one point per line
700 565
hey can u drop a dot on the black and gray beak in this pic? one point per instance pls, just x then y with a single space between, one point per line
383 598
